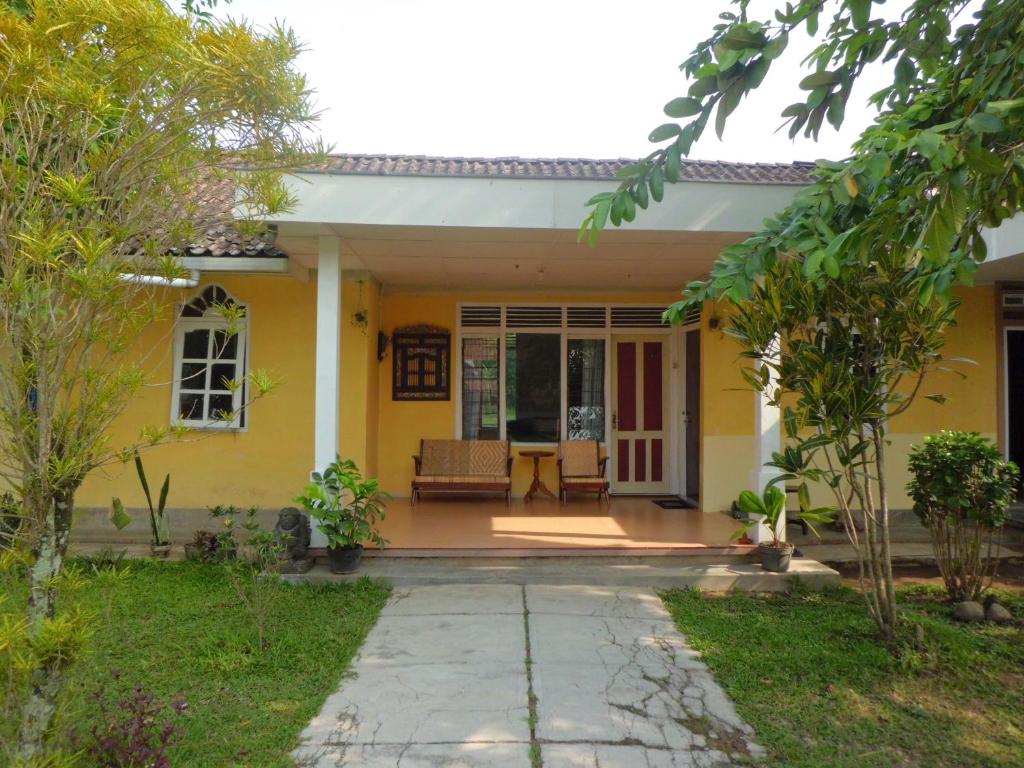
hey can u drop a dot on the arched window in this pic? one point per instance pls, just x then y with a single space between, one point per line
210 361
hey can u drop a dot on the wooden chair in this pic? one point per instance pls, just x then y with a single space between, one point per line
581 469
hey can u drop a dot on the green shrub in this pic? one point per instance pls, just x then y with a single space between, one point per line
962 488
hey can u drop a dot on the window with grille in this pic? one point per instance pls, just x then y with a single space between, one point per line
210 362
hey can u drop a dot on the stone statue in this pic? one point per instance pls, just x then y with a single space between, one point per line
293 530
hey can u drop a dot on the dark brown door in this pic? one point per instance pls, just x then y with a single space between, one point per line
691 415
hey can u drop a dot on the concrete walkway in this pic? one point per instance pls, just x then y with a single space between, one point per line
468 675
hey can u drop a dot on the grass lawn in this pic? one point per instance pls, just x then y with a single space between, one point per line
806 672
177 629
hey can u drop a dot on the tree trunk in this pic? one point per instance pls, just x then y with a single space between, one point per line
45 681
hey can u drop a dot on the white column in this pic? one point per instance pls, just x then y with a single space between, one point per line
768 437
328 356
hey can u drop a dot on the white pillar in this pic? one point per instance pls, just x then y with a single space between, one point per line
328 356
768 437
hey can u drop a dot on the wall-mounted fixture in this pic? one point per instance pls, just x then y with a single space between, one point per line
383 342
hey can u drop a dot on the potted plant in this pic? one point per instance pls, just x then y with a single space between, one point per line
769 508
346 509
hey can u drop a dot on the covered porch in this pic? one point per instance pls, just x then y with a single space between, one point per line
489 258
475 526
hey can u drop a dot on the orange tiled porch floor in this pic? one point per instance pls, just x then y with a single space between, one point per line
452 522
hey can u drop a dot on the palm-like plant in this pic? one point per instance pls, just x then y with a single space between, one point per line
770 507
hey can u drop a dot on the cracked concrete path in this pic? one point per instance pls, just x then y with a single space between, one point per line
482 675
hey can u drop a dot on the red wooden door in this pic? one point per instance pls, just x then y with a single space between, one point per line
640 421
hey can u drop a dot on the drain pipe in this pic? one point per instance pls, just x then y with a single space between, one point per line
166 282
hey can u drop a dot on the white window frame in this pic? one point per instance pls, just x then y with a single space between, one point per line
502 330
240 422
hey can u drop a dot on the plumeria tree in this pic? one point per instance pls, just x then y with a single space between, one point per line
842 298
122 122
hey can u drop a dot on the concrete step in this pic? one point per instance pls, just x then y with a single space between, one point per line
659 573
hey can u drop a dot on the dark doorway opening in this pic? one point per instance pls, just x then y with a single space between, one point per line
691 415
1015 396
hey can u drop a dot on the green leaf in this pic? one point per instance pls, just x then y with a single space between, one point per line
615 213
627 171
657 183
776 47
628 208
836 110
601 211
598 198
983 161
639 193
822 79
831 264
812 264
683 106
985 122
860 12
118 516
672 163
663 132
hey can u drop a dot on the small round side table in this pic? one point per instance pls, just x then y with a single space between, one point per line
537 486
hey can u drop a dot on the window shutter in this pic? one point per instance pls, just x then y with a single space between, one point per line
637 317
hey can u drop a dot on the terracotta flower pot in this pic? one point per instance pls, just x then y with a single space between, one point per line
775 559
160 550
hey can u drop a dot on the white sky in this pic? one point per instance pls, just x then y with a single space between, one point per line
533 78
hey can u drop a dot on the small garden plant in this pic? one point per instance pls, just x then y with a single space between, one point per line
253 571
134 729
347 508
962 487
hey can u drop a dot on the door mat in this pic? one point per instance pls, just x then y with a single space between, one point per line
674 503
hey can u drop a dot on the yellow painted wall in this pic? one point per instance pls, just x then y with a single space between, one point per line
264 465
971 393
727 418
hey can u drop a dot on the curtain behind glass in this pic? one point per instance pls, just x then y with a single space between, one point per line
586 389
480 389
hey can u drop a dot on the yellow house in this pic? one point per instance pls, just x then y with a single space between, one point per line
392 266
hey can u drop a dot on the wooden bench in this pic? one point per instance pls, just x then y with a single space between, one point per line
463 465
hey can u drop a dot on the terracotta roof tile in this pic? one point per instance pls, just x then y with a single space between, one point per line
559 168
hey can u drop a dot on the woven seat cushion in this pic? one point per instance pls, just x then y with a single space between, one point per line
467 479
463 457
596 480
579 458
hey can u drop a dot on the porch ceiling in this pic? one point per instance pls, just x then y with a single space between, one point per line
514 259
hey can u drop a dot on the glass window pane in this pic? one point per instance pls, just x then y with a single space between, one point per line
586 389
225 345
220 373
193 375
480 389
533 387
190 407
196 343
221 407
